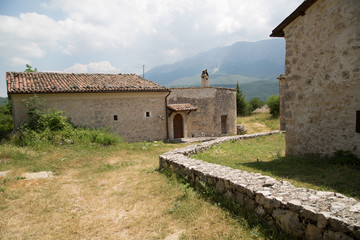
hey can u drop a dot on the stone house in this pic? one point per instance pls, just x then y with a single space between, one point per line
133 107
320 92
204 111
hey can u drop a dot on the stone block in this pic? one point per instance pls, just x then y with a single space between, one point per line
322 219
289 221
309 212
330 235
313 233
239 198
249 204
220 186
229 195
259 210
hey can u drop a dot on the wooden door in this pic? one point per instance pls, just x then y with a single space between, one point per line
223 124
178 126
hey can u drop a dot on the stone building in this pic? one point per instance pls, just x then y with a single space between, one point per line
130 105
202 111
321 89
133 107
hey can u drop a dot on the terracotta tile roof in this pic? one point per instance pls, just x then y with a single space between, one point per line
49 82
182 107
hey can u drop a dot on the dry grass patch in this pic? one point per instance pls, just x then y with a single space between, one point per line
259 122
107 193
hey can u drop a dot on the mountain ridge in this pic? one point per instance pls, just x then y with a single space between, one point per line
247 61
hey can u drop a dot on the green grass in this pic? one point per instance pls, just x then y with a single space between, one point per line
265 155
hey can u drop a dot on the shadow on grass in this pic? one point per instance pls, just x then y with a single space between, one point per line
257 225
314 170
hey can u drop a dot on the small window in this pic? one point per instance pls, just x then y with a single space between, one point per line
147 114
357 121
115 117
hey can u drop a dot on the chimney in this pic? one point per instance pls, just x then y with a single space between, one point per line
204 78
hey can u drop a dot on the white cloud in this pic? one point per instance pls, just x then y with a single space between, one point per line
18 61
93 67
132 33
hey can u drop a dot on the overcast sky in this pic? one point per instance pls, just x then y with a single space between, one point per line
113 36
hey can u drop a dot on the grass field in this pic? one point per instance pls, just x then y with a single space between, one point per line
259 122
266 155
112 192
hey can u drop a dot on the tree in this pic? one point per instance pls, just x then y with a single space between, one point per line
273 103
241 104
29 68
255 103
6 121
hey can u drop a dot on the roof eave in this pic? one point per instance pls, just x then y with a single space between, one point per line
300 11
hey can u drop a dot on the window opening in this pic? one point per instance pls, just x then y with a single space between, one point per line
115 117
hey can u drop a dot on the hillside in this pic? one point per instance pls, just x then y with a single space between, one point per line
3 101
261 89
243 62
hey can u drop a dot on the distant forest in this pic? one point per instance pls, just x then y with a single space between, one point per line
3 100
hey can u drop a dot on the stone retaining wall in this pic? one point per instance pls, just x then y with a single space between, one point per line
302 212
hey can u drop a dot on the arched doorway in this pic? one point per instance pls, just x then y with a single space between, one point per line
178 126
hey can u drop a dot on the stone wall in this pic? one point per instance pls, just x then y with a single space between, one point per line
212 103
302 212
322 86
98 110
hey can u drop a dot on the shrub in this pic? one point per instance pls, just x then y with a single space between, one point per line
273 103
255 103
6 120
51 126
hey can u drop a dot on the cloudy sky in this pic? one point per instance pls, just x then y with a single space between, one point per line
112 36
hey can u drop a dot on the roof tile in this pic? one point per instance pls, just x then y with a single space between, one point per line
182 107
49 82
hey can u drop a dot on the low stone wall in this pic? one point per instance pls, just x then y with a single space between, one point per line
302 212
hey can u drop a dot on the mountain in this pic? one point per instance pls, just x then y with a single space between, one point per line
243 62
261 89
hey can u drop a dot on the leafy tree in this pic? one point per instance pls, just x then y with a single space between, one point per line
36 107
241 104
255 103
29 68
6 120
273 103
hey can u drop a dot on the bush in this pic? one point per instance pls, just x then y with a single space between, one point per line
255 103
6 120
51 126
273 103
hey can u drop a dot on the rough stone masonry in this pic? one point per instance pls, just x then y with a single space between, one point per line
302 212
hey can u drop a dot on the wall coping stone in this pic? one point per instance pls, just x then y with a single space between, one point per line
299 211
